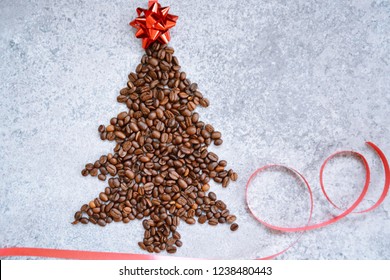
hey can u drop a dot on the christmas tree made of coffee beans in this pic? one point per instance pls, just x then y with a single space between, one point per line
160 168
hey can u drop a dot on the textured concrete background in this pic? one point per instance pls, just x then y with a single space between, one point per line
289 82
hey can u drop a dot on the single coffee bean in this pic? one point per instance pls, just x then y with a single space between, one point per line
182 184
142 245
225 182
171 249
101 128
212 156
146 224
202 219
205 187
220 204
234 227
234 176
111 169
103 197
153 62
212 196
78 215
129 174
230 219
190 221
120 134
94 172
115 213
158 180
191 130
204 102
110 128
213 222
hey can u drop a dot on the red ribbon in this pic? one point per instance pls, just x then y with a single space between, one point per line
346 212
88 255
153 24
73 254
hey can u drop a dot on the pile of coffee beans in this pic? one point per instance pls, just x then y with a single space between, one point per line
160 169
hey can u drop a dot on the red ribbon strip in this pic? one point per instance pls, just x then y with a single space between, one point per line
88 255
346 212
76 254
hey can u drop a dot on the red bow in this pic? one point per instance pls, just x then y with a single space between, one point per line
153 24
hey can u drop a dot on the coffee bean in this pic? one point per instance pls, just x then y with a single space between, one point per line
120 134
158 180
166 197
225 182
190 221
115 213
94 172
142 126
153 62
148 187
204 102
142 245
182 184
220 204
212 156
146 224
234 227
234 176
110 128
191 130
202 219
186 150
129 174
205 187
212 196
144 159
78 215
230 219
215 135
171 249
191 106
213 222
111 169
174 175
103 197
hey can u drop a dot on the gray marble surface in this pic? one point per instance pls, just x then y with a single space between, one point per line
289 82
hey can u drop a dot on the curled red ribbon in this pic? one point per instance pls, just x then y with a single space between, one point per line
345 213
153 24
88 255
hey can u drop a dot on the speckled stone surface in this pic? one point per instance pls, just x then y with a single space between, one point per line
289 82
